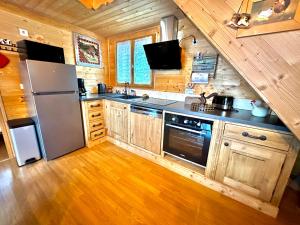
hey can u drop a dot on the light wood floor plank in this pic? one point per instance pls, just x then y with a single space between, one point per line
108 185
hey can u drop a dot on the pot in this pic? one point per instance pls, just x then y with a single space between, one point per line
223 102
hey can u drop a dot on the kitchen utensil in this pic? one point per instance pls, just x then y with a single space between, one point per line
101 88
259 111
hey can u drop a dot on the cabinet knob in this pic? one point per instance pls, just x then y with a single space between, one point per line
226 144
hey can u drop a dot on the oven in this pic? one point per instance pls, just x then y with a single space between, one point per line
187 138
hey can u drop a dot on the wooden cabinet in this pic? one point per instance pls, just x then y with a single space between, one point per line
255 161
93 119
145 132
249 168
117 120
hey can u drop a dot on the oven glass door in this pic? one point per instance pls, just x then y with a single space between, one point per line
187 144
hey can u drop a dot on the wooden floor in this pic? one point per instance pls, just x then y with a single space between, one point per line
108 185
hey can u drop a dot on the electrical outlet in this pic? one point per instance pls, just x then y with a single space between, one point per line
23 32
21 86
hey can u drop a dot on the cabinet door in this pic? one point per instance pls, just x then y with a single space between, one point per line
138 126
145 132
107 116
119 123
249 168
153 134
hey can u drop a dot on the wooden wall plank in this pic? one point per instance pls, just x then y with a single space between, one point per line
227 81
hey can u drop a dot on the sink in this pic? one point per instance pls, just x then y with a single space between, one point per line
129 97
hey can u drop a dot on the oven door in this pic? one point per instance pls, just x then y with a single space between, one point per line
188 144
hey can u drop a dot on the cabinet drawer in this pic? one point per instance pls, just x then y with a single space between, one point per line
97 134
96 115
96 125
258 136
94 105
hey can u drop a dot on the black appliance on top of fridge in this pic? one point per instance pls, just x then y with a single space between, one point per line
51 92
41 52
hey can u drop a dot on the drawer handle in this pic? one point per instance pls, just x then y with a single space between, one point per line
261 137
97 125
96 115
92 106
97 135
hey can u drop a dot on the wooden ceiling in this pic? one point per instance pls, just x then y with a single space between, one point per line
118 17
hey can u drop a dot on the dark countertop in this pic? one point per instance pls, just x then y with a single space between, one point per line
236 116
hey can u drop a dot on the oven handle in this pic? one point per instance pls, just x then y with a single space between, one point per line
186 129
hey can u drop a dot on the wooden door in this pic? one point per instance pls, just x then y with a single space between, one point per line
145 132
249 168
118 124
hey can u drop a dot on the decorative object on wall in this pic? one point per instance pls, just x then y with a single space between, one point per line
269 16
241 21
95 4
3 61
87 51
7 45
204 67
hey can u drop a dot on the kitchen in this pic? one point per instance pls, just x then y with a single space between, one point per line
152 120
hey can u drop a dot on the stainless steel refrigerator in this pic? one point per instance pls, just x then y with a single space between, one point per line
51 91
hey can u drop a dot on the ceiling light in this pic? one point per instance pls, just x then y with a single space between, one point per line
95 4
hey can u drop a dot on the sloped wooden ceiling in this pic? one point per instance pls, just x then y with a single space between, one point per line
117 17
270 63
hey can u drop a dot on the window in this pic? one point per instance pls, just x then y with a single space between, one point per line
132 64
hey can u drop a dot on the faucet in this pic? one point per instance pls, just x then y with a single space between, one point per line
126 87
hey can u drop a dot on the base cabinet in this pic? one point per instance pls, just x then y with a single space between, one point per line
145 132
117 120
252 169
93 120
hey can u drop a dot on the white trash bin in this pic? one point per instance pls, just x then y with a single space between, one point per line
24 140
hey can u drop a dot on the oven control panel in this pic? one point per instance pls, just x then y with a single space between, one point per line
188 122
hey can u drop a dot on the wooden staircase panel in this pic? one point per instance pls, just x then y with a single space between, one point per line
271 69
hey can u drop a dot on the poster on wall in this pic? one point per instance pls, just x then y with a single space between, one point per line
87 51
269 16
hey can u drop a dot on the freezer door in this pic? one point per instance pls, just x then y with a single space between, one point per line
60 127
51 77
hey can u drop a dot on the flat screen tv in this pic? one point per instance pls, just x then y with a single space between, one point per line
164 55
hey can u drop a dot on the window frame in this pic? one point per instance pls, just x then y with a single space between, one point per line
132 84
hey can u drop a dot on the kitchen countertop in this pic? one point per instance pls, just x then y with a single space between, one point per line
235 116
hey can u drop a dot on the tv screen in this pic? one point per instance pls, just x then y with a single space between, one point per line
164 55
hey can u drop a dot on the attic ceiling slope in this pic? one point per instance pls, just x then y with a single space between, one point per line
114 18
261 60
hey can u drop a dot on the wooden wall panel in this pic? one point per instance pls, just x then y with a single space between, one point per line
45 31
269 67
228 80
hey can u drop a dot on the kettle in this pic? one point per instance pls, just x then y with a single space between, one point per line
101 88
258 110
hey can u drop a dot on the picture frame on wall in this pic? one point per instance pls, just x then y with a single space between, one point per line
270 16
87 51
